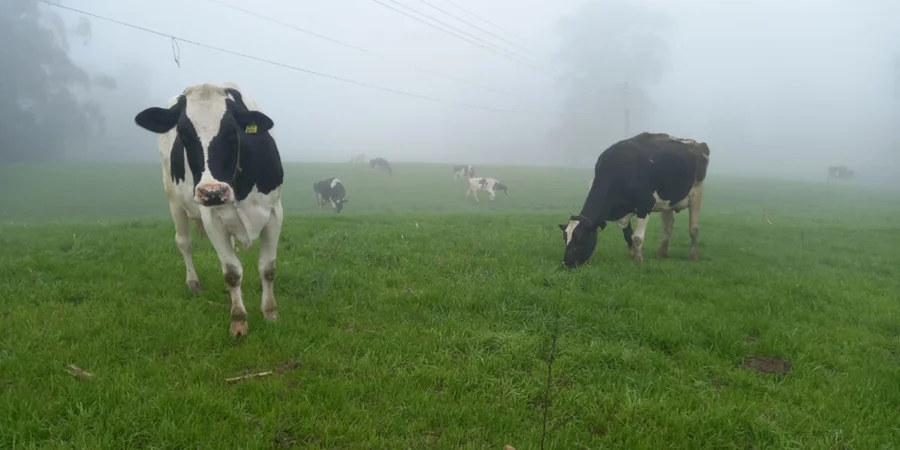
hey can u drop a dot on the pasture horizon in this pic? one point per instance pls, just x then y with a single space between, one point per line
126 191
417 318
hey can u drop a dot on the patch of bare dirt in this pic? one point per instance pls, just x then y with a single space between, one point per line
767 364
286 366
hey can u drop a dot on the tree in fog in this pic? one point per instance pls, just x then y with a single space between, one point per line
614 50
130 81
41 116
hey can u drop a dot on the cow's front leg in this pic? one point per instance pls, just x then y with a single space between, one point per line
233 273
668 222
637 246
268 250
183 242
625 224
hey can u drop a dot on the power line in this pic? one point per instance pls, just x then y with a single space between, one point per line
480 28
502 52
361 49
288 66
459 7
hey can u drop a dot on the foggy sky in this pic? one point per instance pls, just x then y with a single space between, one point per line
811 80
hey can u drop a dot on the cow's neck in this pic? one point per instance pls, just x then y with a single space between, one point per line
596 205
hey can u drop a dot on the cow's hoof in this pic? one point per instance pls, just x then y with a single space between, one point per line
693 257
271 316
239 329
195 287
662 253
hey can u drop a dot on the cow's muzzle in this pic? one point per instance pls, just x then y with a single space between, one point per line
213 194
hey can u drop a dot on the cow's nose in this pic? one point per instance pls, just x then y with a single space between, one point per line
213 193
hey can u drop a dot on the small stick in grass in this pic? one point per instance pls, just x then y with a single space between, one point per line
249 376
78 372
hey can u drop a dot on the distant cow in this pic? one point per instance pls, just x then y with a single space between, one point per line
221 166
330 190
358 158
489 185
839 173
650 172
463 171
381 163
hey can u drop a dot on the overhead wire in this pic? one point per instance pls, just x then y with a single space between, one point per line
361 49
438 8
292 67
498 50
461 8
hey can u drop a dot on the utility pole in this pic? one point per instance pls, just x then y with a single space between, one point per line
627 114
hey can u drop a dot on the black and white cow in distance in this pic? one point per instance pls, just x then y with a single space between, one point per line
221 165
483 184
840 173
463 171
650 172
381 163
330 190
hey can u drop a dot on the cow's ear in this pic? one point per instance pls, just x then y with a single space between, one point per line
158 120
263 122
562 226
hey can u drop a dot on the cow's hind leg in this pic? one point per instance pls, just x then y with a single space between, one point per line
233 273
668 222
268 250
183 242
694 211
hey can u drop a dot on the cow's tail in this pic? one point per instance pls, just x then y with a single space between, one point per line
702 161
198 224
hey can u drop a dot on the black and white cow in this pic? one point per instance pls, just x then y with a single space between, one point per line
381 163
463 171
650 172
840 173
221 165
489 185
330 190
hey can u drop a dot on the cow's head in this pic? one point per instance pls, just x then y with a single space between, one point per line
580 236
340 204
210 124
501 187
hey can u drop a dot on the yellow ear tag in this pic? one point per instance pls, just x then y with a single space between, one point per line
251 129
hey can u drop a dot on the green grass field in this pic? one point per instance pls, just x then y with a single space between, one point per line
417 319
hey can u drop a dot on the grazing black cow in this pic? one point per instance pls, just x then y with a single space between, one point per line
221 166
650 172
840 173
381 163
463 171
330 190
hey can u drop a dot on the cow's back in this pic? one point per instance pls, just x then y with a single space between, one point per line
654 162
